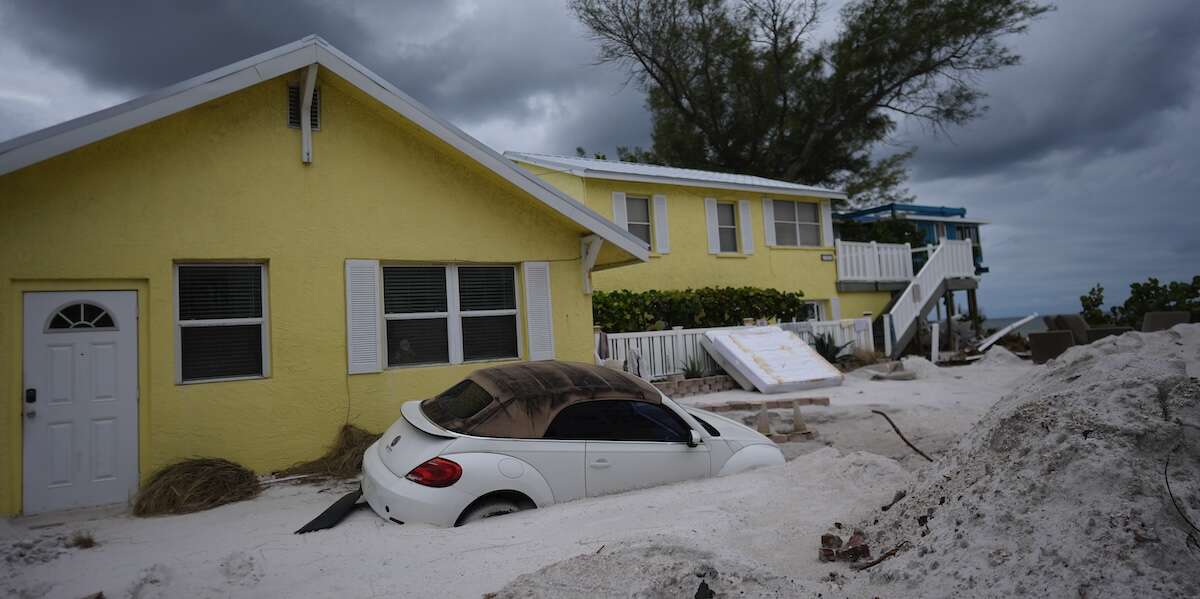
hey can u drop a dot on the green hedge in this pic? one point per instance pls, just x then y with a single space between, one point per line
628 311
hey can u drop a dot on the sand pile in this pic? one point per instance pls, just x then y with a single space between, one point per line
1059 490
923 367
649 572
1000 356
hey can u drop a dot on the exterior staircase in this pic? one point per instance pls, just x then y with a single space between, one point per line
951 266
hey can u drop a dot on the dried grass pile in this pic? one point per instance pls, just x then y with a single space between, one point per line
195 485
342 460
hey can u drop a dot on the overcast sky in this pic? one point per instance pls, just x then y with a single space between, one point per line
1087 163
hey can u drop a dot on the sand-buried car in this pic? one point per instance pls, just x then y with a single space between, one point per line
532 434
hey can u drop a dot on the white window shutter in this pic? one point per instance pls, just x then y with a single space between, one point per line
747 230
826 222
769 221
539 315
363 317
710 219
662 234
619 213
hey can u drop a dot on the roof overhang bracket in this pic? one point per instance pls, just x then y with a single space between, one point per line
310 86
589 251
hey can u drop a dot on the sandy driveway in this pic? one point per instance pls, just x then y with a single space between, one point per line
771 517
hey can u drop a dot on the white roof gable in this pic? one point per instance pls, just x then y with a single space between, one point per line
630 171
46 143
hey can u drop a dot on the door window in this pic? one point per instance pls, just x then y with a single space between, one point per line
81 315
618 420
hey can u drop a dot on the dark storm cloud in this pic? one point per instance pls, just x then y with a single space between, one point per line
146 44
1085 163
469 62
1097 78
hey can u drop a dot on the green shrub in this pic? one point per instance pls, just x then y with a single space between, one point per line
625 311
1151 296
693 367
828 348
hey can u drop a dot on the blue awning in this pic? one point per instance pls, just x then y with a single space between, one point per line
913 209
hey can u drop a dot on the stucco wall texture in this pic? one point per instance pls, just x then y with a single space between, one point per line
223 181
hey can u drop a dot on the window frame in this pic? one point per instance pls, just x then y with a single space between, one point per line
649 217
453 315
263 322
775 220
817 310
737 238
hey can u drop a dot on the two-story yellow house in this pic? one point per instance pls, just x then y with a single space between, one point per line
716 229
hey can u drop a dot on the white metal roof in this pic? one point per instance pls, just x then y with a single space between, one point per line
649 173
20 152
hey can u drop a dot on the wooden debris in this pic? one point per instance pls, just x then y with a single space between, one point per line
887 554
770 404
834 550
901 435
763 423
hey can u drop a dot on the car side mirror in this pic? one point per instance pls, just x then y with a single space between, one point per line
694 438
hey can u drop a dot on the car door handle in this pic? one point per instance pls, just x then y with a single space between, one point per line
600 463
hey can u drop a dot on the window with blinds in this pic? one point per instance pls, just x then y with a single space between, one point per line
449 314
220 321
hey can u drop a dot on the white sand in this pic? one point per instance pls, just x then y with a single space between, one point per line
932 411
767 521
1059 491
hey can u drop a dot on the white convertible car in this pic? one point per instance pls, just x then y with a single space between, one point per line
533 434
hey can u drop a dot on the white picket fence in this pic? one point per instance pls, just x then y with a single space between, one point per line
856 332
871 261
664 353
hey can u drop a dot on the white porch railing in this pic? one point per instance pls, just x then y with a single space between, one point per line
871 261
951 259
665 353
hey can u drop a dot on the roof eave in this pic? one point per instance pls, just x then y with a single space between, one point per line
46 143
683 181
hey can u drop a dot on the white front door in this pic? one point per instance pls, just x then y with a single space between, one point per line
80 399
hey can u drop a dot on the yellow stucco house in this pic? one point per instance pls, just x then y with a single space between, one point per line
717 229
237 265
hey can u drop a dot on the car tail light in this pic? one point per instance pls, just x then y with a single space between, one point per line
438 472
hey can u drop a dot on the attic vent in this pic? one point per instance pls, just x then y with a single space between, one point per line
295 99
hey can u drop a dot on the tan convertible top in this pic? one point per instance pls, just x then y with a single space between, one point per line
523 398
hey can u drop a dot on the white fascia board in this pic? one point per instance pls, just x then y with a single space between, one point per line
52 141
611 176
46 143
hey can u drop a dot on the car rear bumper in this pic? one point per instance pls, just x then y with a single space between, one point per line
401 500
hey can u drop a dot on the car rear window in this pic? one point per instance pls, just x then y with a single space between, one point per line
456 404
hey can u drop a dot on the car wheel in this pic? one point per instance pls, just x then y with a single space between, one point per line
489 508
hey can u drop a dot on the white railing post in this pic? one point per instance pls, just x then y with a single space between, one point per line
840 252
887 334
676 331
934 337
874 262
